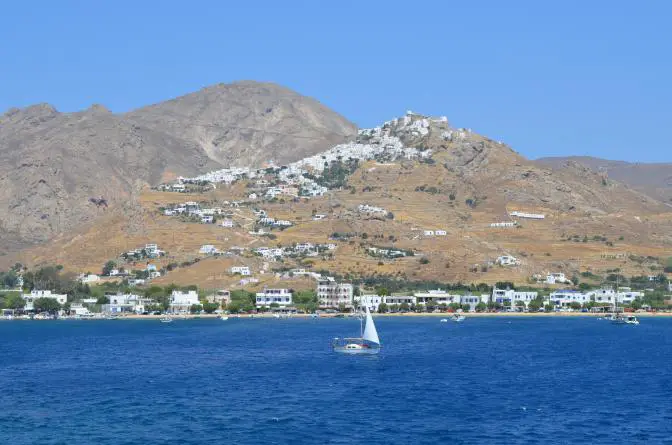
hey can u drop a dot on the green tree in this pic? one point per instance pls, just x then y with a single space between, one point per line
103 300
481 307
382 308
14 301
535 305
304 297
454 306
107 268
382 292
466 307
575 305
404 307
45 304
195 308
209 308
549 308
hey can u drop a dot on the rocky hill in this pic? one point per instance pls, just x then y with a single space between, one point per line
248 123
52 165
413 198
653 179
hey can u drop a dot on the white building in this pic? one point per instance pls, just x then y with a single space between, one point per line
127 303
370 301
182 301
397 300
474 300
508 297
332 294
508 260
504 224
226 223
90 278
436 296
557 277
428 233
207 219
565 297
208 249
241 270
282 297
35 294
440 233
527 215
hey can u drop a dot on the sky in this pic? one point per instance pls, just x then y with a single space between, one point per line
547 78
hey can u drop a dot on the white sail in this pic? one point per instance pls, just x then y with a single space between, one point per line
370 333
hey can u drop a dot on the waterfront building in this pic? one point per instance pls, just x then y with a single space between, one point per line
332 294
267 297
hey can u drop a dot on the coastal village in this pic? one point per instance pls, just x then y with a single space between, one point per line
265 246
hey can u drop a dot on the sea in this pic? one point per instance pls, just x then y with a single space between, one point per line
508 380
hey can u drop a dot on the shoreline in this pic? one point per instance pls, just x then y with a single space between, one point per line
347 315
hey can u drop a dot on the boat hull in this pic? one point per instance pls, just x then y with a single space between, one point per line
363 351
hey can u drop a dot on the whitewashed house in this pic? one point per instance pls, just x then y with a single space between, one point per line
397 300
508 260
557 277
240 270
35 294
181 302
370 301
429 233
90 278
508 297
208 249
565 297
440 232
436 296
226 223
281 297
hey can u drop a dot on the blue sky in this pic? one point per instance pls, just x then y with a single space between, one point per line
548 78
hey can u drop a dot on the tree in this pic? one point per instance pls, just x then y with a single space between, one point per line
107 268
466 307
549 308
424 260
195 308
535 305
519 303
481 307
341 308
103 300
404 307
44 304
382 292
454 306
14 301
382 308
209 308
575 305
636 304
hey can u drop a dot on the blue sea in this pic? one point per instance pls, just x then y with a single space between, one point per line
268 381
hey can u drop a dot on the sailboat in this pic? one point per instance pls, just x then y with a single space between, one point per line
368 343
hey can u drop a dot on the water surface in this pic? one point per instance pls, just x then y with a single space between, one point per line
251 381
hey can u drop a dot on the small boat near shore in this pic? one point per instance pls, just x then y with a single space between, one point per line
458 318
166 320
444 320
224 317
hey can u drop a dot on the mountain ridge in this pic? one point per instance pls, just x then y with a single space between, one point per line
52 163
